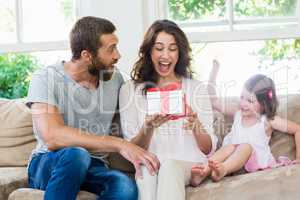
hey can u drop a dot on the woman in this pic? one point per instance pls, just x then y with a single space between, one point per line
180 142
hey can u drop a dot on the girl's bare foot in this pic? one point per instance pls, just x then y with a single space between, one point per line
199 173
218 170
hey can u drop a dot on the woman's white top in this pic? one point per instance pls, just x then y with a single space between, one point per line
170 140
254 135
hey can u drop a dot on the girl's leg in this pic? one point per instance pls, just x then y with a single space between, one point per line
233 163
147 185
201 171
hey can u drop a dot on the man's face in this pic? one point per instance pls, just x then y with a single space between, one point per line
107 54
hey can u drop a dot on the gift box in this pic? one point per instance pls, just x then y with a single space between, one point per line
168 100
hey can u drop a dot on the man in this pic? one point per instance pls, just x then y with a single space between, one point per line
73 104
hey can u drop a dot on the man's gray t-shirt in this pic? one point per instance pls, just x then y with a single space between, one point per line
82 108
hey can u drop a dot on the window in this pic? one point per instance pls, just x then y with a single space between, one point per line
241 59
247 36
7 25
232 20
33 34
30 25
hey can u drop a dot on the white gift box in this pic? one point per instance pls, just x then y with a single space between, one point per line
165 102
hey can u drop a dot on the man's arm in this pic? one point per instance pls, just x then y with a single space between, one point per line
56 135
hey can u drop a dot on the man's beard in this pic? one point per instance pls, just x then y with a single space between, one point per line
97 68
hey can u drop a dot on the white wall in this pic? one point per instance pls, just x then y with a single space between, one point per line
127 17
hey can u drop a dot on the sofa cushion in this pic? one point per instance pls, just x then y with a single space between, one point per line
275 184
283 144
29 194
12 178
16 135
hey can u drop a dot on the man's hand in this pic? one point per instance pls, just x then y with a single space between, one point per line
138 156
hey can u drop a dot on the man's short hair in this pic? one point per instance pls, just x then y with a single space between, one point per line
86 33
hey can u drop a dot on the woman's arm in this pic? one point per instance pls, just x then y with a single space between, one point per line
129 113
290 127
143 138
200 116
203 139
229 108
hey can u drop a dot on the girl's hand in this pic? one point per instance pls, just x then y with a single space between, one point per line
156 120
214 71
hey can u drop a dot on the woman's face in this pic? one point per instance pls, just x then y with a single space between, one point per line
164 55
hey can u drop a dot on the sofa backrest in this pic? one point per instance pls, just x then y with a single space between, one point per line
16 135
282 144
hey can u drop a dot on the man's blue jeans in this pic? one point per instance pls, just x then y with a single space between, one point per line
64 172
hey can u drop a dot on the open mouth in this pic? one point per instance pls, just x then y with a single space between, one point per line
164 67
244 110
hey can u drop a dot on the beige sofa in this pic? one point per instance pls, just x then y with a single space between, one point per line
17 141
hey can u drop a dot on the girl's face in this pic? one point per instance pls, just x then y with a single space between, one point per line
249 105
164 55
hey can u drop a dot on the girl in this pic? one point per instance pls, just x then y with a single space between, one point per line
247 145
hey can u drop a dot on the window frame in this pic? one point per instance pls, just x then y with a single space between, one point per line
281 27
21 46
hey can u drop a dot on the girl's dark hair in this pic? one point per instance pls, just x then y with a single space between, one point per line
264 90
86 33
143 70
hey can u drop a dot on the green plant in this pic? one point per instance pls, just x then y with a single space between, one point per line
195 9
15 71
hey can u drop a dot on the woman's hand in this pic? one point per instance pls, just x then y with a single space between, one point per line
143 138
156 120
192 121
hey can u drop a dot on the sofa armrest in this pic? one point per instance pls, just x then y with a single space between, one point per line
12 178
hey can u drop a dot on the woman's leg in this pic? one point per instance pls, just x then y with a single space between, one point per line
172 177
147 185
234 162
200 171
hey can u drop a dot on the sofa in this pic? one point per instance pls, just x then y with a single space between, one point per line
17 141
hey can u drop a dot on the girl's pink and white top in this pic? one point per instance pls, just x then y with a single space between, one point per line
254 135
